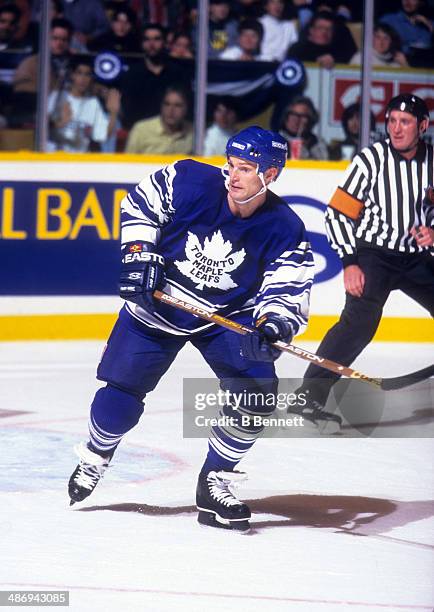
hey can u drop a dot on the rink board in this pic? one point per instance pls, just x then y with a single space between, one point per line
59 232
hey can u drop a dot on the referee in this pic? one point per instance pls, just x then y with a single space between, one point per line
380 221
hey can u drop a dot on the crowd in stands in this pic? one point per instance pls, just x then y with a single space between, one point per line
148 108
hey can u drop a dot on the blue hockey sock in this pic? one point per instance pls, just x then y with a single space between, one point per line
228 444
113 413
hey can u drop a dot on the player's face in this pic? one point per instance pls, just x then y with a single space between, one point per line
243 179
403 131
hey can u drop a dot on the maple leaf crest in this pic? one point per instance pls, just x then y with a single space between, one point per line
209 265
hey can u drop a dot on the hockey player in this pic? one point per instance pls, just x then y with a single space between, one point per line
380 221
222 240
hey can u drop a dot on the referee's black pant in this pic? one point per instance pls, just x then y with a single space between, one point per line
384 272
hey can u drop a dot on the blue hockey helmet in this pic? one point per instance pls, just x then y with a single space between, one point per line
266 148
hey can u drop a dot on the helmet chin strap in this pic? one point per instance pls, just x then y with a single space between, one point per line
263 189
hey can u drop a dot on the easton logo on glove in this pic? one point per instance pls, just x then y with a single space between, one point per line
142 271
143 257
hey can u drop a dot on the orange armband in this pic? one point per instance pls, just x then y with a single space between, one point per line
346 204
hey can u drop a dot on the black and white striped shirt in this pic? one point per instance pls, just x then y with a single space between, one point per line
380 198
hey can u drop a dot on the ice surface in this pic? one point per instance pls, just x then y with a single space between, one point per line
339 524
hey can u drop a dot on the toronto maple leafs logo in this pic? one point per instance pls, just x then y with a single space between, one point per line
210 265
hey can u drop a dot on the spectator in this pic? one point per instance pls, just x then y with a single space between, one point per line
247 9
181 46
88 18
26 75
279 33
250 33
347 148
222 28
25 79
10 16
319 43
77 118
168 132
385 49
415 31
299 118
225 118
122 36
144 84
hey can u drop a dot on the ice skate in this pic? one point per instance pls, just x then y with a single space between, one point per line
87 474
217 505
314 414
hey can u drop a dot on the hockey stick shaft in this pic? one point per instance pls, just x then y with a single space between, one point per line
387 384
238 328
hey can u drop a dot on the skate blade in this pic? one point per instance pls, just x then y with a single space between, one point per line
208 519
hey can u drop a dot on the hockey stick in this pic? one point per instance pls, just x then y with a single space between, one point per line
387 384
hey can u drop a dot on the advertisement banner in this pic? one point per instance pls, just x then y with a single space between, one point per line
59 237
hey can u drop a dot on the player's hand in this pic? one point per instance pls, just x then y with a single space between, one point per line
142 271
354 280
423 235
269 328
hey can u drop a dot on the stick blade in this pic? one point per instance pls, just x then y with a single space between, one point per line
399 382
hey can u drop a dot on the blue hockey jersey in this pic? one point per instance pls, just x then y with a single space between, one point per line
214 259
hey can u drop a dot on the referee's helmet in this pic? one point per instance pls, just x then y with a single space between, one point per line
408 103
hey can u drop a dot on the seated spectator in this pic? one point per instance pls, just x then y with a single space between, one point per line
415 31
347 148
181 46
299 118
385 49
247 9
222 28
10 16
26 75
122 36
225 118
248 47
168 132
320 43
77 118
88 18
279 33
143 86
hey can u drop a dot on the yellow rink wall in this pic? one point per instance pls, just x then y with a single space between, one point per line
94 185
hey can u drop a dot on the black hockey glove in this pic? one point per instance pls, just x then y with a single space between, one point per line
269 328
142 271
